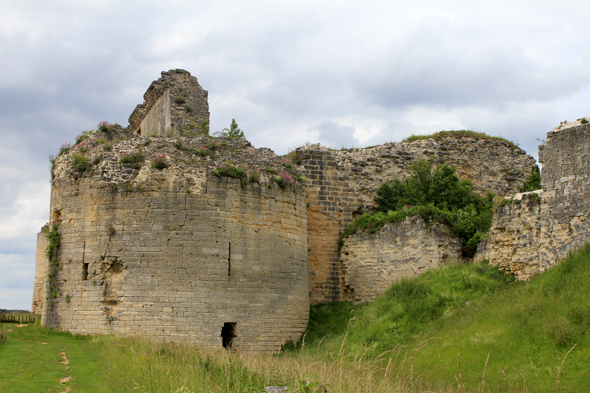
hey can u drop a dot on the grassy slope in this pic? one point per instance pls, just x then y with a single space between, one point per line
423 324
28 365
527 328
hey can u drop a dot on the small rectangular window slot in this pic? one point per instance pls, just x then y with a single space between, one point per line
229 261
84 271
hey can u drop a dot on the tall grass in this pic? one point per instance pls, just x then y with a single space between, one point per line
144 366
486 330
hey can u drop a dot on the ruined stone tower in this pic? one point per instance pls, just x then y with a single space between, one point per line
180 251
173 104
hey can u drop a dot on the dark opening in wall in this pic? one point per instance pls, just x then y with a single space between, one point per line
84 271
229 261
228 333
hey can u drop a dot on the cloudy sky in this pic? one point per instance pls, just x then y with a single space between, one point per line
343 73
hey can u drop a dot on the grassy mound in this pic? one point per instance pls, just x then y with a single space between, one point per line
437 136
448 321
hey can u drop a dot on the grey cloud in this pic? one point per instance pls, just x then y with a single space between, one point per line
336 135
288 73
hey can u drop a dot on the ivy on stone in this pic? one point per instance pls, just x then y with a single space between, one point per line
53 240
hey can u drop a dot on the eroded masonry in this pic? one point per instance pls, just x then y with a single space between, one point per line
533 231
165 231
178 252
172 104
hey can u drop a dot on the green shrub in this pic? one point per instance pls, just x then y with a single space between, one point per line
179 100
295 157
205 127
254 177
80 163
213 146
270 170
533 181
131 158
107 147
160 162
104 126
230 170
284 180
435 194
583 120
64 149
233 132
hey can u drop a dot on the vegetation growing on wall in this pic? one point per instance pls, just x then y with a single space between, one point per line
533 181
435 194
80 163
131 158
233 132
51 252
230 170
437 136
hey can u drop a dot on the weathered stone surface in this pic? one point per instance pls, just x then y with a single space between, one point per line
173 103
343 184
176 253
536 230
372 262
40 272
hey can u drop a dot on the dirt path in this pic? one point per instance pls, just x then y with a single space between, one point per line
65 380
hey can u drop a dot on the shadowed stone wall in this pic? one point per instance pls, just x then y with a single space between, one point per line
533 231
372 262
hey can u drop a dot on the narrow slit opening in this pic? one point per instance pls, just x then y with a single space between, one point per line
84 271
229 261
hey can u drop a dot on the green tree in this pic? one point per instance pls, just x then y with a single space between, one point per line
233 132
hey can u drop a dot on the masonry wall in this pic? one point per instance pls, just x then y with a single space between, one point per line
175 253
534 231
372 262
343 184
157 120
175 103
40 273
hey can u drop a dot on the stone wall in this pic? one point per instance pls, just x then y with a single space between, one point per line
534 231
40 272
372 262
177 253
175 103
343 184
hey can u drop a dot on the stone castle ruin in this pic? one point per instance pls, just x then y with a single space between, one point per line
177 235
533 231
172 104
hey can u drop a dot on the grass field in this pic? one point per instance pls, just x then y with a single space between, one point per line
461 328
458 315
